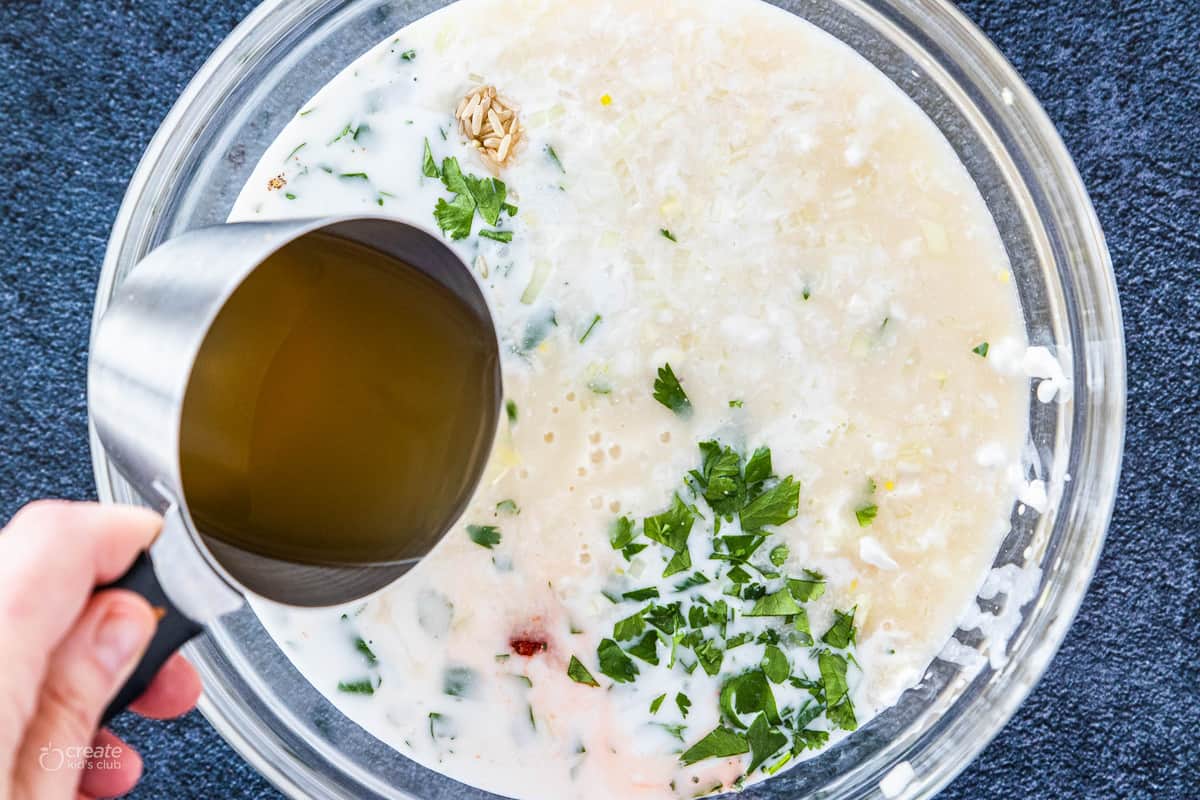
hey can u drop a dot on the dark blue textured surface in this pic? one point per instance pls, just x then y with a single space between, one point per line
86 83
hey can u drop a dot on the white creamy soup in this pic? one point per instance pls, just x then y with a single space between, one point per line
756 461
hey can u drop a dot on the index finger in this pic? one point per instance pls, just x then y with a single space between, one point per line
53 555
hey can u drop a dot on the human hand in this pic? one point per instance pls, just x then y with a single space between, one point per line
66 651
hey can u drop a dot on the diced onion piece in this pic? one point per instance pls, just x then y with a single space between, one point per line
541 271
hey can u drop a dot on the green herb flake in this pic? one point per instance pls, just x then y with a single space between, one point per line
841 633
833 676
289 196
980 349
668 392
629 628
510 409
719 743
865 514
637 595
671 527
775 506
808 588
595 321
429 167
408 55
684 704
295 150
775 664
364 686
647 648
614 663
695 579
455 217
736 403
361 646
776 604
484 535
622 533
577 672
765 741
498 236
507 507
656 703
667 234
554 157
358 176
779 555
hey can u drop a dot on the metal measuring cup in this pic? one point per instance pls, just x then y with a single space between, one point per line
142 354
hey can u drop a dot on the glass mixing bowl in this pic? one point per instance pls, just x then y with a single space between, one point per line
287 49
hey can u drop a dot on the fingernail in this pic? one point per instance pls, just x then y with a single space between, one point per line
119 640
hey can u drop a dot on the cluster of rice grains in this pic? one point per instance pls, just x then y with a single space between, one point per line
489 122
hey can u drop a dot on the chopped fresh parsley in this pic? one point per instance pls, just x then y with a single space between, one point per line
775 506
775 664
668 392
656 703
779 555
980 349
630 627
408 55
577 672
622 533
865 514
765 741
646 649
841 633
684 704
720 743
359 176
429 167
554 157
736 403
471 194
649 593
614 663
498 236
507 507
810 587
510 409
776 604
667 234
484 535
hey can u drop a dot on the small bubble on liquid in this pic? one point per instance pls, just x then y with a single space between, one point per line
585 558
524 473
664 437
570 397
581 471
554 409
614 452
614 506
594 437
549 437
597 502
597 456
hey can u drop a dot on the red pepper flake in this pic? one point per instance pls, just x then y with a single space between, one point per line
527 647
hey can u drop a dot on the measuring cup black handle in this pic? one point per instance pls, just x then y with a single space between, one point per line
174 630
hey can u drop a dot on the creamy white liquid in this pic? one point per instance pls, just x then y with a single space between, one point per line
833 269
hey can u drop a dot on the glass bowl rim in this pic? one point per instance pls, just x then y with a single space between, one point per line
950 31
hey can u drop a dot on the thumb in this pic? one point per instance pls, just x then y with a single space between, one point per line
83 676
